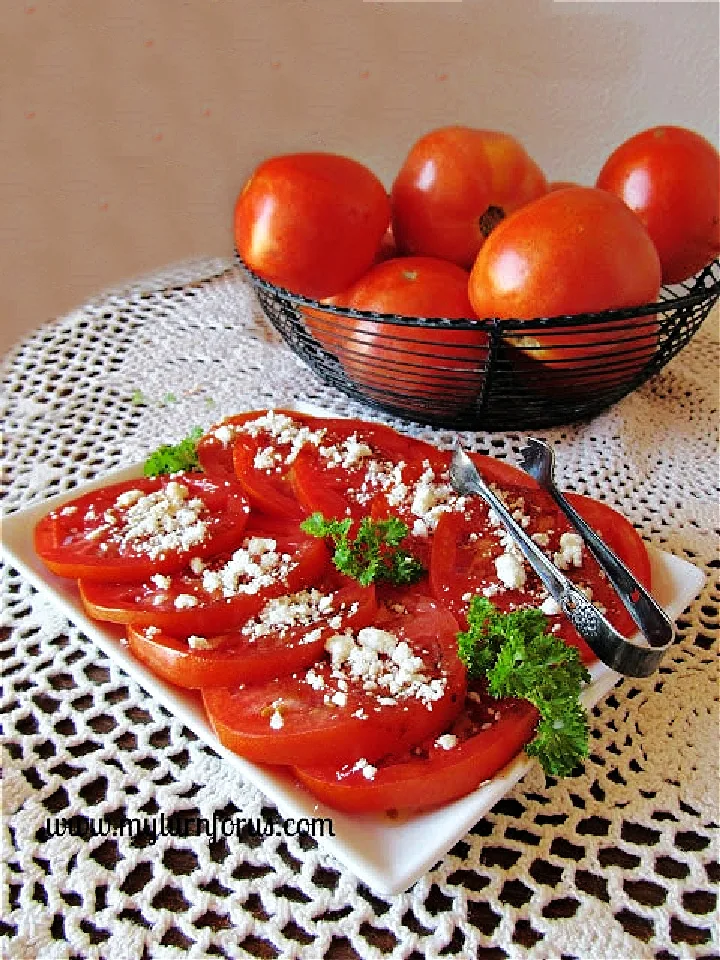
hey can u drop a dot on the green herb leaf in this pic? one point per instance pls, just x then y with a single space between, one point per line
521 659
375 552
175 459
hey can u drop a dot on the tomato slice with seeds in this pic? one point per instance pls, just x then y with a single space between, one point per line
486 735
218 595
130 530
331 712
287 634
466 546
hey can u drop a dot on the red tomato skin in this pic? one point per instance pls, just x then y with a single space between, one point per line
313 730
573 251
454 184
237 659
311 222
670 178
413 286
412 360
410 784
62 544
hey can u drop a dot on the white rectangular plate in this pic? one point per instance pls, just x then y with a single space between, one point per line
389 856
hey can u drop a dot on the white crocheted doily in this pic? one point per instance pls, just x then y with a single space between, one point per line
618 862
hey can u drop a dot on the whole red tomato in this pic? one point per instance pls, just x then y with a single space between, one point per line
577 250
311 222
398 361
454 186
670 177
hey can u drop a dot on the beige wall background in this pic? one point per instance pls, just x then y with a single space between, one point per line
127 127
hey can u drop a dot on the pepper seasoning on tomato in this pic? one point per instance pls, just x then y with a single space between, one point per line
485 736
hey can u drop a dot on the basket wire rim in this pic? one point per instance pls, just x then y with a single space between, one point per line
700 291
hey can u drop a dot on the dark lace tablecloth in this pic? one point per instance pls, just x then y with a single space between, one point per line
617 862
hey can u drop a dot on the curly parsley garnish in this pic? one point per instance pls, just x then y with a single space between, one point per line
520 659
375 552
175 459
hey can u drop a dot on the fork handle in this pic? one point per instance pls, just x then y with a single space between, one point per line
645 611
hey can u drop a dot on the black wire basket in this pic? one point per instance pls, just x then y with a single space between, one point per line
490 374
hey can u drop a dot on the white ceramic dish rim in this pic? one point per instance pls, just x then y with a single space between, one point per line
388 855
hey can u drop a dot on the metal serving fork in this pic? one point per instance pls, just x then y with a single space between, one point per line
623 655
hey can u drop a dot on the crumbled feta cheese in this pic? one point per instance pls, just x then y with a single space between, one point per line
253 567
203 643
550 607
510 571
265 459
154 523
315 680
382 662
447 741
224 433
183 601
570 553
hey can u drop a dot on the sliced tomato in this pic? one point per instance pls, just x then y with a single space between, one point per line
412 483
466 546
339 483
330 712
134 529
215 449
261 449
287 634
221 593
486 735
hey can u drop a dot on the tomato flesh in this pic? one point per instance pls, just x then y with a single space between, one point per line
264 647
485 736
220 595
329 712
134 529
342 486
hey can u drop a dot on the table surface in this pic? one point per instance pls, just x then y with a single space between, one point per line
619 861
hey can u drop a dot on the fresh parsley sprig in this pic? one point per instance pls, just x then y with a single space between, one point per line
373 554
521 659
175 458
